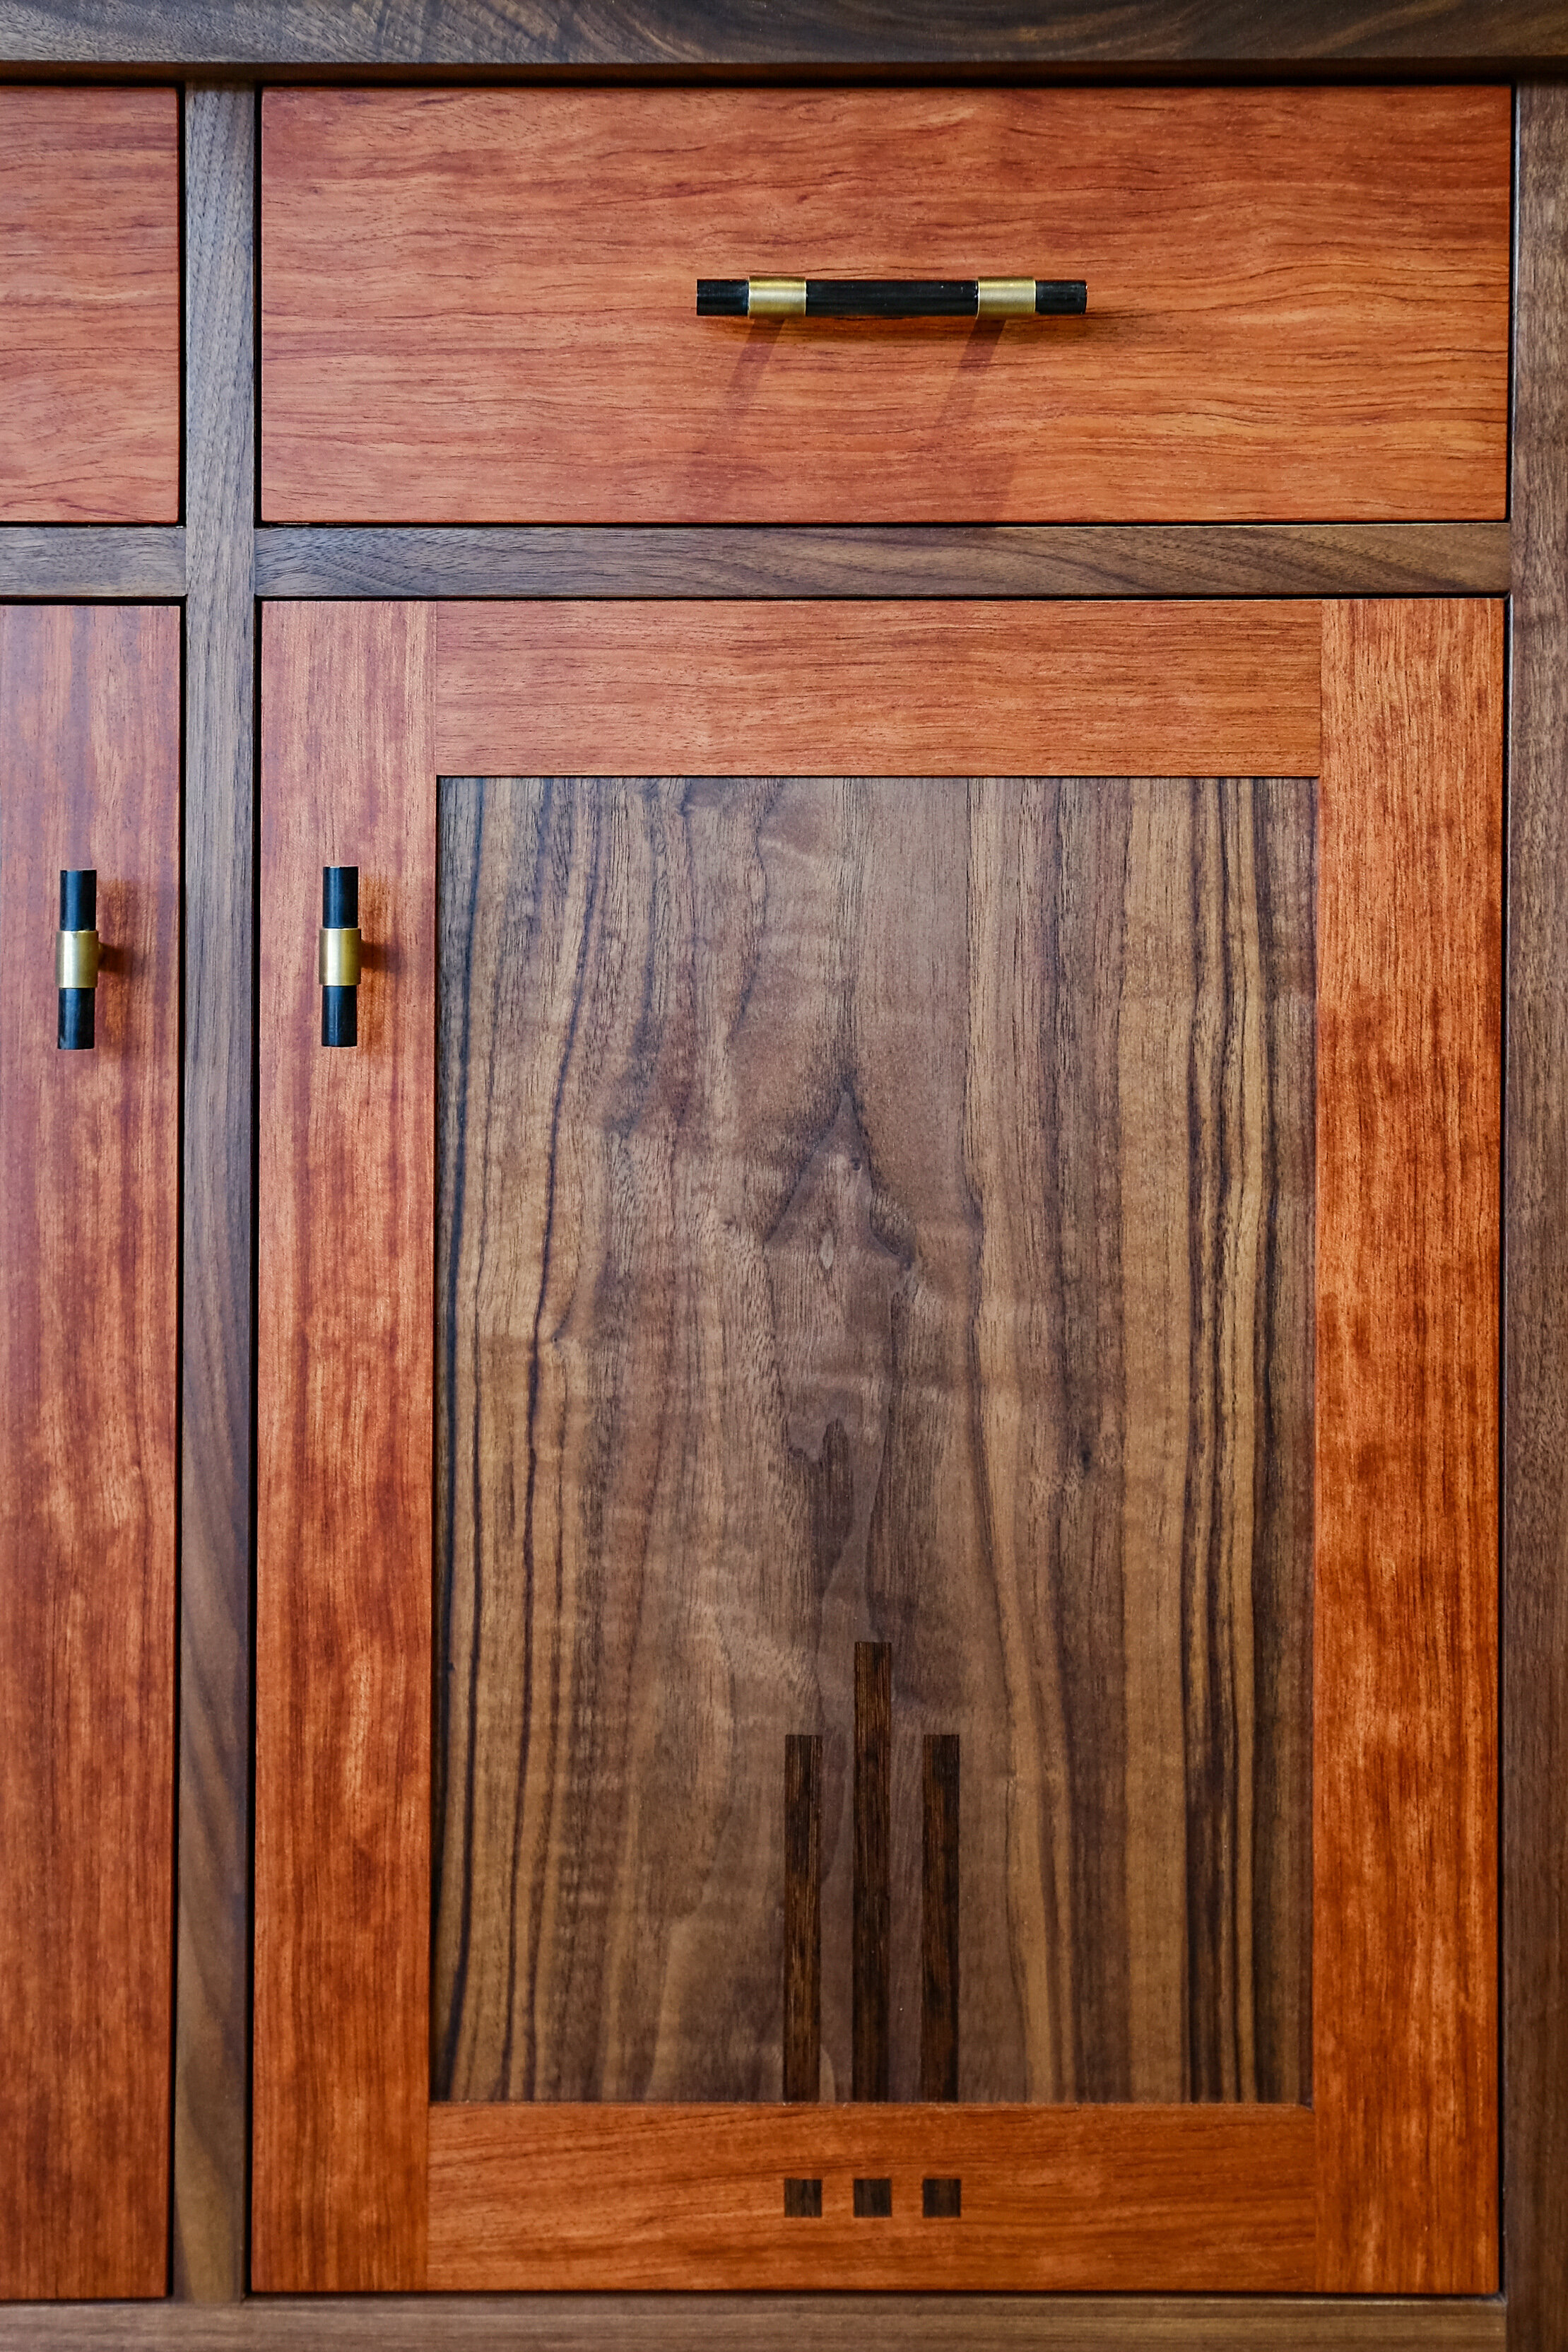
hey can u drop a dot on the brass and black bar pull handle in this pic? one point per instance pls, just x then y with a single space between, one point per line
338 955
77 957
892 297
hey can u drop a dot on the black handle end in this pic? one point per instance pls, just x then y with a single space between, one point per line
723 298
340 1016
340 898
79 897
1061 298
75 1033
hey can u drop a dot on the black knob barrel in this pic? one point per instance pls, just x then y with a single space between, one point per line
340 898
339 912
75 1030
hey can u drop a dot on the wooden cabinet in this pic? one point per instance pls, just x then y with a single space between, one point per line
916 1196
843 1484
89 291
89 776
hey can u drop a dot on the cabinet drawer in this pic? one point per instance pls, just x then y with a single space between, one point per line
480 306
89 293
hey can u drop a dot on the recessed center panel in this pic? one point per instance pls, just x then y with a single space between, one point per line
875 1439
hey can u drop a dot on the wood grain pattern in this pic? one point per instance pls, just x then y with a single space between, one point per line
558 2197
780 2323
878 688
837 1308
1405 1782
90 774
1536 1592
939 1882
871 1990
356 36
803 1916
1298 305
216 1400
51 564
346 1204
90 289
1405 559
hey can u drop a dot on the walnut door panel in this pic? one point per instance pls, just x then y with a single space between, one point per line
873 1213
480 306
89 291
1030 1040
90 774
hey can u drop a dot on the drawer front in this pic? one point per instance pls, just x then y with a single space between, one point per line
89 293
481 305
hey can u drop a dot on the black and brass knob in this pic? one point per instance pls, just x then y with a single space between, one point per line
337 957
77 957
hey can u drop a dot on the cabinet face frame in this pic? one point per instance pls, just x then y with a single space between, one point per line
1397 708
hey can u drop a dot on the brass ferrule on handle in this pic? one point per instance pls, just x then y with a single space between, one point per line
78 955
76 959
892 297
338 958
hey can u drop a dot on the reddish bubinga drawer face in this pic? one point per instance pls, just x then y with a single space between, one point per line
89 306
480 306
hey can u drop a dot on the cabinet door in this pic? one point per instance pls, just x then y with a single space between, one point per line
89 777
876 1654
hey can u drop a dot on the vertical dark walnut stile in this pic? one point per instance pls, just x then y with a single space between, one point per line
1535 1591
211 1981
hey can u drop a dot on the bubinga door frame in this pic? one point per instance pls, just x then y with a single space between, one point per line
1387 2183
219 562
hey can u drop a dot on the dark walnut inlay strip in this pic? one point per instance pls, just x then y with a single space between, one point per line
874 1211
802 1916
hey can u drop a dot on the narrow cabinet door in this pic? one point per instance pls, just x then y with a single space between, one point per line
89 785
877 1542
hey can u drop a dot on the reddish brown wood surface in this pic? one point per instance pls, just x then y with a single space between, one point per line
346 1205
90 774
1404 1898
877 688
480 306
1405 2012
89 293
1115 2196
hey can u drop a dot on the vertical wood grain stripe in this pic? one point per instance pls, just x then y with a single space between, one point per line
873 1869
212 1986
89 775
346 1206
1535 1615
878 688
939 1918
1405 1902
803 1916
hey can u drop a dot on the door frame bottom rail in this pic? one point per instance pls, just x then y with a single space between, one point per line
785 2322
